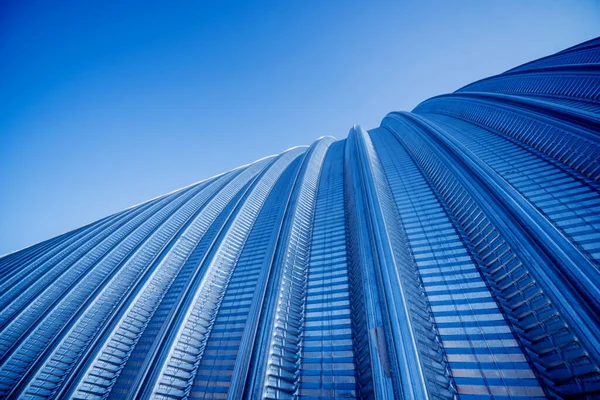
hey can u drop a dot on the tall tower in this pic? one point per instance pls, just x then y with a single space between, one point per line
452 252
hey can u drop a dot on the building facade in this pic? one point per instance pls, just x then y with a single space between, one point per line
452 252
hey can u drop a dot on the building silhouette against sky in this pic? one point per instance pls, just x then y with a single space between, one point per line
452 252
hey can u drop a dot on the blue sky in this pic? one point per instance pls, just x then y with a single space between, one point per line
104 106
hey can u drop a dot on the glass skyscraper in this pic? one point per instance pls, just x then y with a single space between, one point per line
452 252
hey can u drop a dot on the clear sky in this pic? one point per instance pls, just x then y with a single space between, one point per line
104 106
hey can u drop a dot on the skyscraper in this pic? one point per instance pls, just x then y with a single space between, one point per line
452 252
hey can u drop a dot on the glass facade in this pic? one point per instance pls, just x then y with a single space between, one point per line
451 253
